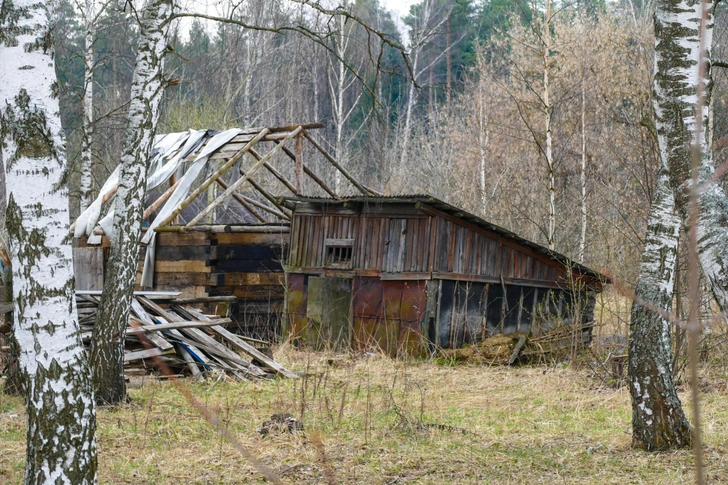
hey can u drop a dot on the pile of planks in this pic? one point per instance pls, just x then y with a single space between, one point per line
169 330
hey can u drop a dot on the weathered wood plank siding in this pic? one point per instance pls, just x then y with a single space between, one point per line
420 276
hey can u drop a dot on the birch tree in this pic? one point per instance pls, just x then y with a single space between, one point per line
91 12
107 350
61 445
677 54
658 420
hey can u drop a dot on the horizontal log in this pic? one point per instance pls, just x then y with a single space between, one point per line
152 295
181 280
209 299
186 266
140 328
248 253
255 279
244 239
248 266
191 239
224 228
177 253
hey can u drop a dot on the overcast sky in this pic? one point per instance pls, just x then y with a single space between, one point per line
400 7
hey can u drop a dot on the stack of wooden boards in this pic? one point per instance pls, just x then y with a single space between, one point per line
166 329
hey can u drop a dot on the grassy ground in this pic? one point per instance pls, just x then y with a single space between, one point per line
363 421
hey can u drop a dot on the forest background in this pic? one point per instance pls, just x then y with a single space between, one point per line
495 113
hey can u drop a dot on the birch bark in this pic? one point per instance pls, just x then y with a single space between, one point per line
658 421
548 109
61 443
88 107
107 352
677 54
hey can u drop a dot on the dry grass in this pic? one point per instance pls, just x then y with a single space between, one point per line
363 419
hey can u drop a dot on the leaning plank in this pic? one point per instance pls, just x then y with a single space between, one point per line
145 354
190 354
152 295
215 351
154 337
253 352
206 299
182 350
141 328
198 335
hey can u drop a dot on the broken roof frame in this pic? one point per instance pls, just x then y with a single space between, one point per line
227 148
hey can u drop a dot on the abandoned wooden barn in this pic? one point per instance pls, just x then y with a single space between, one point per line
213 225
409 274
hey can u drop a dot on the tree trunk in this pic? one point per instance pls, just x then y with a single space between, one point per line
677 53
61 443
582 235
547 127
107 352
658 421
88 109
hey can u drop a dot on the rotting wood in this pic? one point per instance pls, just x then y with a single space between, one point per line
200 336
238 182
144 354
203 186
253 352
222 228
141 328
242 201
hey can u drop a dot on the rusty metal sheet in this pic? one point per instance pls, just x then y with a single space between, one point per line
368 297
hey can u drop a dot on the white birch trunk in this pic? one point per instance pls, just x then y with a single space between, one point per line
677 53
107 353
547 126
582 236
87 126
61 444
412 97
483 142
658 421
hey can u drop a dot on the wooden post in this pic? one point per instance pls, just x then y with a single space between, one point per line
299 165
311 174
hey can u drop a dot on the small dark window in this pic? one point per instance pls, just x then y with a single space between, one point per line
339 253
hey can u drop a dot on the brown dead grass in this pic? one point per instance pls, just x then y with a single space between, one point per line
364 419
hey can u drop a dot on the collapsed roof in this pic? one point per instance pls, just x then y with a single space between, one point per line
215 177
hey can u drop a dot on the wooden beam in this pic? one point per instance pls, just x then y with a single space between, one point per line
363 189
161 200
212 178
252 351
142 328
225 228
240 181
299 165
243 202
311 174
279 176
266 208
